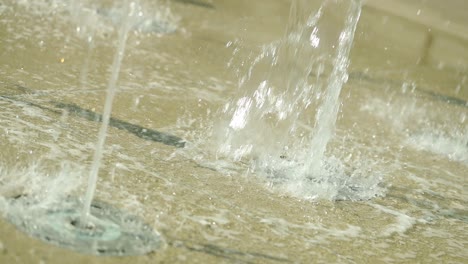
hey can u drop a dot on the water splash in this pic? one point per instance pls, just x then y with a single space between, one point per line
54 215
101 18
328 111
284 124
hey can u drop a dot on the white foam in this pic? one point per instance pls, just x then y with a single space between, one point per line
403 222
93 19
429 127
322 234
2 8
336 181
44 184
455 149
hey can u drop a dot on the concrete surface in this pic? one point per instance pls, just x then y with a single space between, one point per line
428 32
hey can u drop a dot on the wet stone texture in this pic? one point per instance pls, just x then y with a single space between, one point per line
166 196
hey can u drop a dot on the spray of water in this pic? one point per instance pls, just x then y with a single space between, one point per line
289 103
54 215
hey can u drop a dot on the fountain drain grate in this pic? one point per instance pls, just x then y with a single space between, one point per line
108 232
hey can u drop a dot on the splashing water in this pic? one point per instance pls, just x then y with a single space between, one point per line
54 215
295 79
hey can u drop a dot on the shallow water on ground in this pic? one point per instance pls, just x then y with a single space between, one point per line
407 135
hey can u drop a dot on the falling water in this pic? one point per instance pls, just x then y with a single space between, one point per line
111 90
293 80
86 30
328 111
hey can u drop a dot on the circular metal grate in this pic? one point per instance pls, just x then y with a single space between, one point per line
108 231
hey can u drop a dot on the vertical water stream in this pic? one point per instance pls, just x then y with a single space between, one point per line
129 13
327 113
